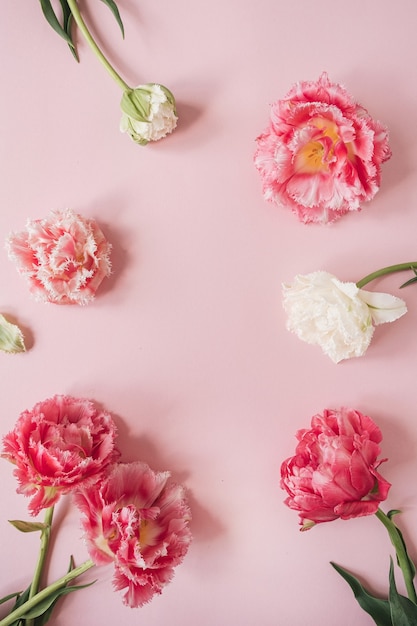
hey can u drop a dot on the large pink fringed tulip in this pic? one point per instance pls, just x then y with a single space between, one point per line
64 257
333 473
138 521
321 153
60 443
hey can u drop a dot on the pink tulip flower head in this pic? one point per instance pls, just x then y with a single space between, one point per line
64 257
60 443
333 473
140 523
321 153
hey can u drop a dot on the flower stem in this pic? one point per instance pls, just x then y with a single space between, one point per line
402 556
399 267
45 536
42 595
83 28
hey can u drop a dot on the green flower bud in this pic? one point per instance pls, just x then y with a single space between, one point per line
148 113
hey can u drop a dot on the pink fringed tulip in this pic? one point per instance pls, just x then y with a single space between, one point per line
60 443
140 523
333 473
64 257
321 154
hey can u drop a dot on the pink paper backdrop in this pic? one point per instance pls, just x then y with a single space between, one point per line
186 343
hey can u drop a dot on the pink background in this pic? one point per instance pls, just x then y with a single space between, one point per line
186 343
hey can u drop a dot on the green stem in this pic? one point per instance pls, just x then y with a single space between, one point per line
83 28
402 556
399 267
45 536
42 595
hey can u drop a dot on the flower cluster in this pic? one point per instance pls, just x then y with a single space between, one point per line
63 257
334 475
132 516
321 153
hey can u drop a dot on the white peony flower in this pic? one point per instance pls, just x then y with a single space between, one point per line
337 316
148 113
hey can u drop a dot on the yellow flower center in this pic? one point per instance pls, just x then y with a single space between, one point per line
315 155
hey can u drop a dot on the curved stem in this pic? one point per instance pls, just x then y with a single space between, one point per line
42 595
45 536
83 28
404 562
399 267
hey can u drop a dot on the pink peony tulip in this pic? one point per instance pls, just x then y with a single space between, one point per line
63 257
334 471
60 443
321 154
140 523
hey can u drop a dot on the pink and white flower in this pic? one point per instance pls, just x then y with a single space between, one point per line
60 443
321 153
140 523
64 257
333 473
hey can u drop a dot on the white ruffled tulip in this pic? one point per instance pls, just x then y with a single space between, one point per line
337 316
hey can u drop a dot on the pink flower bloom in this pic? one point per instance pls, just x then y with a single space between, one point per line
64 257
321 154
140 523
334 471
60 443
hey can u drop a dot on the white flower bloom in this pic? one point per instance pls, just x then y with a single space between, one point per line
148 113
337 316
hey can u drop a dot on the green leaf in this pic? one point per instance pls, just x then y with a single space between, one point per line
377 608
46 604
409 282
67 26
27 527
10 596
19 601
412 280
411 565
113 8
403 611
53 21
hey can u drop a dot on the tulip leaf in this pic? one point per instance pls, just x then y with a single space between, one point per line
377 608
412 280
10 596
27 527
53 21
113 8
21 599
411 565
67 26
45 605
403 611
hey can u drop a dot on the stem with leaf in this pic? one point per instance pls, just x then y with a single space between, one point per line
45 536
399 267
405 563
52 591
93 45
